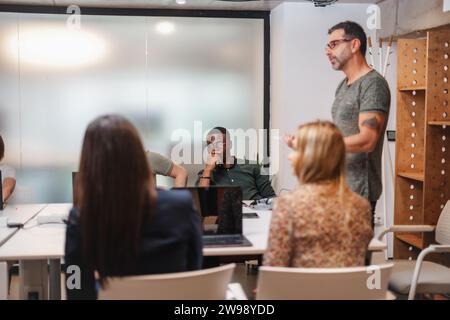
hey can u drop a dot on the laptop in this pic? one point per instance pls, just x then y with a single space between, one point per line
2 203
221 213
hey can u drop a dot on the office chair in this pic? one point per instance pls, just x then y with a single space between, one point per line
411 277
207 284
282 283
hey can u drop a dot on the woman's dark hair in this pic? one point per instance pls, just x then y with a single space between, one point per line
114 194
352 31
2 148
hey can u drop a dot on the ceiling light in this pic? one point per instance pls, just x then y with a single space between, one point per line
165 27
56 47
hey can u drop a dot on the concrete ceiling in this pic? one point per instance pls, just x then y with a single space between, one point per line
170 4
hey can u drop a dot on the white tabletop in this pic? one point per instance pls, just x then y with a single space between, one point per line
37 242
6 233
20 214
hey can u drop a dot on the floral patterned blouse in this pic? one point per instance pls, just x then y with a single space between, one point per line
310 228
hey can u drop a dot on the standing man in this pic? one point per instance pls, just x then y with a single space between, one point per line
360 109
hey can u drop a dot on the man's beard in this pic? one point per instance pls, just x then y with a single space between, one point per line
227 158
341 61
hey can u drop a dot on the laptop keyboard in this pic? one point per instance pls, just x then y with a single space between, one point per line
225 239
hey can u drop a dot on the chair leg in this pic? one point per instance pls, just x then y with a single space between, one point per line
415 278
3 281
9 266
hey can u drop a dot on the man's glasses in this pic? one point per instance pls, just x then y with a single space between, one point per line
333 44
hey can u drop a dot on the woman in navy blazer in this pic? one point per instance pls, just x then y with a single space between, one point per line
120 224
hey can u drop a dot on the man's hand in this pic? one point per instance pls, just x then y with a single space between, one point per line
8 187
289 140
211 162
213 159
180 175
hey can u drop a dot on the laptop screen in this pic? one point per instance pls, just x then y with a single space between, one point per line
220 209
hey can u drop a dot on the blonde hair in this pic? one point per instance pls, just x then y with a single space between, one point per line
320 155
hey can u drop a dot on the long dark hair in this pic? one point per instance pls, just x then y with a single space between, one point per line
114 194
2 148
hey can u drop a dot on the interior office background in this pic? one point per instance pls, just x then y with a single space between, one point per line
163 73
210 69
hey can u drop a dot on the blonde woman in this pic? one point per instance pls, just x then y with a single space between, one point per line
322 223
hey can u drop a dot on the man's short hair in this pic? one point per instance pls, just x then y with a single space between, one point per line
222 130
352 31
2 148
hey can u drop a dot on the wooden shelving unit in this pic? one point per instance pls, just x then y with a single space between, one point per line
439 123
411 239
417 176
422 185
412 88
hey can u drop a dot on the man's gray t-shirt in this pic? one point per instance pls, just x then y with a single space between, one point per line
370 93
7 172
159 164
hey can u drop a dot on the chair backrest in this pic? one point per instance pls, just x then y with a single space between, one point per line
208 284
359 283
443 225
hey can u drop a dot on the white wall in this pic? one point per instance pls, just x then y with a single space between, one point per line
302 81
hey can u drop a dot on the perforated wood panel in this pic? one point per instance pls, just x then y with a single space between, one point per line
412 55
409 201
437 172
423 135
438 75
411 120
403 250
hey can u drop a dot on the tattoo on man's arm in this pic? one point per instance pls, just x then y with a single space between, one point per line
371 123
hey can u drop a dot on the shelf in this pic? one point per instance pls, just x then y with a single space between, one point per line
423 126
418 88
439 123
411 239
418 176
